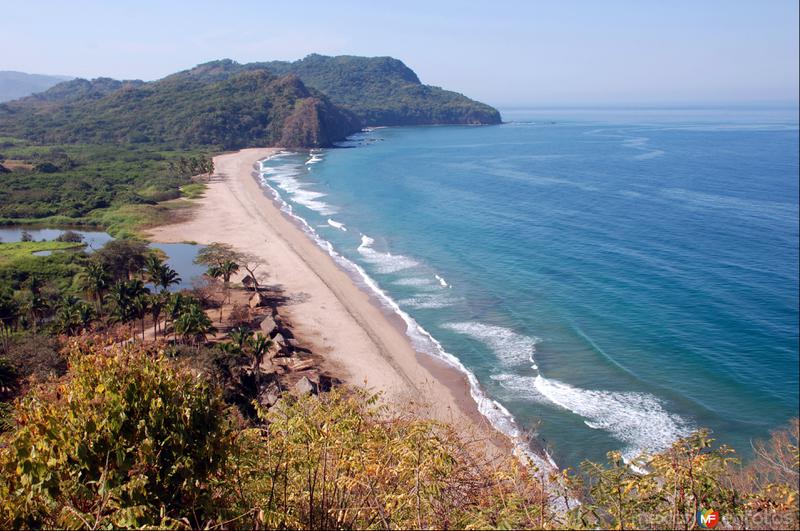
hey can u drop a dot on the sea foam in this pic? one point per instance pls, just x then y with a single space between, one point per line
337 225
510 347
285 177
499 417
639 420
384 262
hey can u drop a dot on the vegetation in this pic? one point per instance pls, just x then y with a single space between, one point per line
246 108
384 91
118 188
116 412
226 105
11 251
129 438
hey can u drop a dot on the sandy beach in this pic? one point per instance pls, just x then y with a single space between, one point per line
363 344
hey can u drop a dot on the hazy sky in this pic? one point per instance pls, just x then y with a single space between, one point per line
503 52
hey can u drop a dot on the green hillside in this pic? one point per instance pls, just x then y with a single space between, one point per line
308 103
245 108
384 91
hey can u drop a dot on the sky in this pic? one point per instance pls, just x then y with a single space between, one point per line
504 52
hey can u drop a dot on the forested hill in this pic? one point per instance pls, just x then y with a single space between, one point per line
308 103
384 91
247 107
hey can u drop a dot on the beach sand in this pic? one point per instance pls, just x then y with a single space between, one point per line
363 344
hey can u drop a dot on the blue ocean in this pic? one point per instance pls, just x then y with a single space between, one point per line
611 280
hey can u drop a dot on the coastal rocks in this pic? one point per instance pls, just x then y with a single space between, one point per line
304 386
256 300
269 396
279 346
268 325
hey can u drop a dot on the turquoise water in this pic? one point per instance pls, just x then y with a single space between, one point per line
613 279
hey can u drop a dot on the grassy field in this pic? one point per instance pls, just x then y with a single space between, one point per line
123 189
12 251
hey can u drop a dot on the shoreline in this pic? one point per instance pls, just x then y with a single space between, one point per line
362 340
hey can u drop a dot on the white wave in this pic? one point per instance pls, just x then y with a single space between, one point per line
428 301
285 178
337 225
637 419
442 282
384 262
521 386
420 282
510 347
499 417
315 158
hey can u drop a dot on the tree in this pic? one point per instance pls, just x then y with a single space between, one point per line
225 270
173 306
141 305
95 280
128 441
258 345
72 315
128 300
157 303
122 258
216 254
239 337
9 313
34 303
193 324
250 263
167 277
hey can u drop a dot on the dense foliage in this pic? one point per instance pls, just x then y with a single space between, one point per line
125 439
129 438
229 105
247 108
111 186
140 421
384 91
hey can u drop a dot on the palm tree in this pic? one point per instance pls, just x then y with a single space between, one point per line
9 314
123 297
167 277
193 324
85 314
95 281
174 306
152 268
224 270
72 315
258 345
157 303
240 336
140 305
34 305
